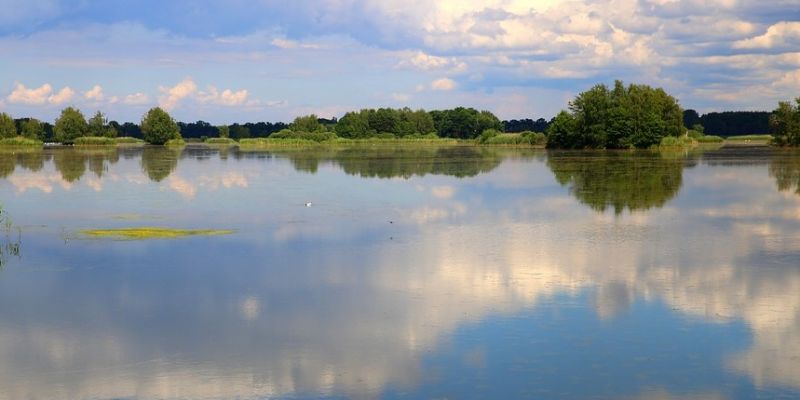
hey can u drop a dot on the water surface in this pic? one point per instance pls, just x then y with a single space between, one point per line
415 273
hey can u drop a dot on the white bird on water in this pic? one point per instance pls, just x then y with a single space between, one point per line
308 204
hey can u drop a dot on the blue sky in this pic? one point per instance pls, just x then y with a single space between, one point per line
273 60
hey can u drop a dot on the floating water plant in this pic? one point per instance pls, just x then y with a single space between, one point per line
144 233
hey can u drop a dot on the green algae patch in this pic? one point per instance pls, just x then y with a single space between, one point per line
145 233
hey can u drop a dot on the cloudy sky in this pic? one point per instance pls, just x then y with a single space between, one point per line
270 60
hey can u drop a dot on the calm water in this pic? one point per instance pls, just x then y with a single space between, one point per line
431 273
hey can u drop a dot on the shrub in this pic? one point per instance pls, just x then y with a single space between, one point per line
128 140
158 127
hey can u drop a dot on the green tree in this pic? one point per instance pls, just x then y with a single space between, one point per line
785 123
33 129
353 125
7 127
632 116
70 126
224 131
158 127
562 132
307 123
99 126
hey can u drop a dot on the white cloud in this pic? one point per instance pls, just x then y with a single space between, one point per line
94 94
444 84
782 34
64 95
136 99
225 98
23 95
171 96
401 97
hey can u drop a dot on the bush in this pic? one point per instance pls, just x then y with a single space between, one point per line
488 134
158 127
94 141
535 138
386 135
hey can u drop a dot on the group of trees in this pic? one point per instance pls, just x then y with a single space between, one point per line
157 127
622 117
785 123
729 123
28 127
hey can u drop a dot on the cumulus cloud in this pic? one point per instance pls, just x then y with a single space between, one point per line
39 96
171 96
136 99
782 34
422 61
94 94
225 98
444 84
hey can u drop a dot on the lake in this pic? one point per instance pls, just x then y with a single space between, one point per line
432 272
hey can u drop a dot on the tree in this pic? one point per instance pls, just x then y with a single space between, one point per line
99 126
785 123
633 116
7 127
33 129
353 125
158 127
70 126
307 123
224 131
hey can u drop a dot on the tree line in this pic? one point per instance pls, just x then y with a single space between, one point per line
602 117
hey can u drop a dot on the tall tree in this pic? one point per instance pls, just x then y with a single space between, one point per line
785 123
99 126
8 128
32 128
158 127
70 125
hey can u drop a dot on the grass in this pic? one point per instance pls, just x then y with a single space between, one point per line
516 139
20 141
143 233
218 140
709 139
128 140
672 142
94 141
175 142
749 137
268 142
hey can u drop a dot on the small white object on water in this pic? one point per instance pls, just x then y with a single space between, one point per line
308 204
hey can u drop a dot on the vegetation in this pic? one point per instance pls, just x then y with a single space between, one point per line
7 127
70 126
221 140
710 139
177 142
527 138
159 162
142 233
623 117
729 123
785 123
316 136
99 127
764 138
522 125
128 140
95 141
33 129
158 127
20 141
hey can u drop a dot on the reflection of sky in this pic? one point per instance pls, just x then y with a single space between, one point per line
496 285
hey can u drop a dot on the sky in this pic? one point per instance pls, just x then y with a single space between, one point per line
269 60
